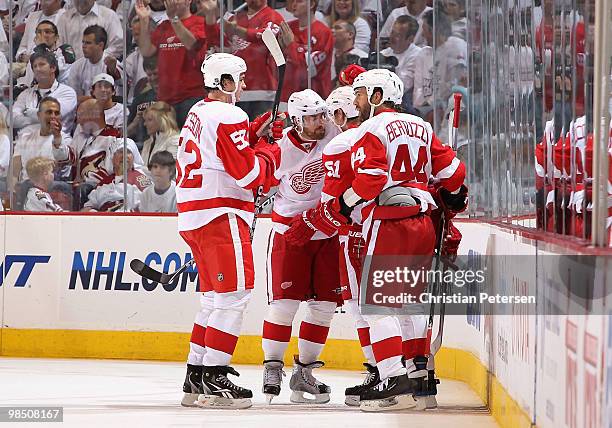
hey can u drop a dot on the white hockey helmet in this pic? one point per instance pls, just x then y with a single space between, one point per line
391 85
304 103
218 64
342 98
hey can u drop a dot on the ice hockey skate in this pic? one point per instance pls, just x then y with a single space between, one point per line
272 378
393 393
424 384
220 392
192 387
303 382
352 394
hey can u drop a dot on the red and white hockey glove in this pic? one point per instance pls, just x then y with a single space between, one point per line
356 248
325 217
269 154
452 239
299 232
350 72
261 126
328 217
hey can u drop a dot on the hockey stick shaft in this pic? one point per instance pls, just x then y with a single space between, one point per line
146 271
437 342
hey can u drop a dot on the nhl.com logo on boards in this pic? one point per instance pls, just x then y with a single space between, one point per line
97 270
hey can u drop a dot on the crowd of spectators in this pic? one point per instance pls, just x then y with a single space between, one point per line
79 95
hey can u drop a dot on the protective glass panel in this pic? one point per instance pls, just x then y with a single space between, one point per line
525 71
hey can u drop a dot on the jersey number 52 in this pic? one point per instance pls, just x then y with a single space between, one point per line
184 180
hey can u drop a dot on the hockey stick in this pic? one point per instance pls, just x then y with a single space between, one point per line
271 43
437 343
146 271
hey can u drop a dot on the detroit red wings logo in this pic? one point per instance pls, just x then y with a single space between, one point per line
302 181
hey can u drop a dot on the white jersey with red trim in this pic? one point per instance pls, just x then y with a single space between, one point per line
338 169
300 176
401 149
39 200
217 170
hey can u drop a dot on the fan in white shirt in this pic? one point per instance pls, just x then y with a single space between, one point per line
50 11
47 38
26 106
86 13
40 140
349 10
413 8
160 122
103 90
402 47
40 170
160 197
345 52
96 60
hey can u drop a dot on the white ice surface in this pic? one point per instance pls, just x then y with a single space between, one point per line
145 394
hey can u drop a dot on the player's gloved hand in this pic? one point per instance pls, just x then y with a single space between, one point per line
356 248
350 72
269 156
270 151
263 126
453 203
452 239
328 217
325 217
300 230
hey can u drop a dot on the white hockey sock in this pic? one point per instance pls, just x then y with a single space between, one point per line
363 329
277 328
197 345
224 327
386 337
314 330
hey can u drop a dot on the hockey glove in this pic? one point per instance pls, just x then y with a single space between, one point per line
452 239
350 72
453 203
261 126
328 217
325 217
269 157
300 230
356 248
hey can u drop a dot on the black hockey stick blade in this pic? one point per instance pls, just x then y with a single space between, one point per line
277 95
154 275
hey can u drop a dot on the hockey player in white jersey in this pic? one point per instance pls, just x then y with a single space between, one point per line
306 273
338 178
218 170
398 152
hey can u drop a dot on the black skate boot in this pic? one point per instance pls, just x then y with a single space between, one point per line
393 393
220 392
272 378
303 382
352 394
424 393
192 387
